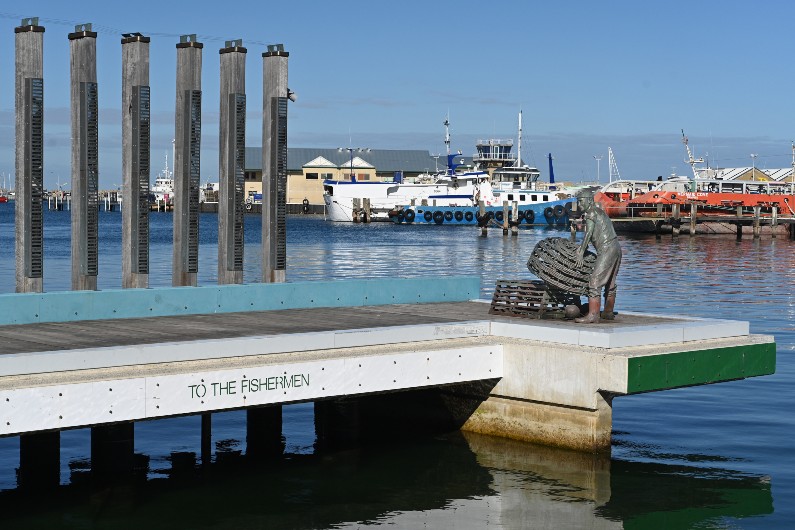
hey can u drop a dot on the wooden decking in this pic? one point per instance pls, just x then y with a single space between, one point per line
155 330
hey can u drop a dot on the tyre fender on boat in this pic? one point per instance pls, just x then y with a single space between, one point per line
438 217
459 216
559 211
548 212
427 215
498 216
529 217
520 215
409 215
448 216
468 216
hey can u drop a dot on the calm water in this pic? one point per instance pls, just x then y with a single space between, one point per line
718 456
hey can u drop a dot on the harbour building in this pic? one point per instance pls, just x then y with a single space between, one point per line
308 167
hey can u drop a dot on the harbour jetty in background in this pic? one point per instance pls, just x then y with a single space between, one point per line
712 201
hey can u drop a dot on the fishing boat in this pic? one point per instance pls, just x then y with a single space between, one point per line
618 197
354 201
162 190
545 212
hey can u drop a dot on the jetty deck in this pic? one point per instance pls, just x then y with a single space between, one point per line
93 358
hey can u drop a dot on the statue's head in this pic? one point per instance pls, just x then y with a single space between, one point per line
584 199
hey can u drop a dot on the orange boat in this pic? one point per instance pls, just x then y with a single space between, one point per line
618 197
716 197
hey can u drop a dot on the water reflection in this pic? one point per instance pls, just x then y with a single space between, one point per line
480 481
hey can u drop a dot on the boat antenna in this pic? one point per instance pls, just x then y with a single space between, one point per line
551 171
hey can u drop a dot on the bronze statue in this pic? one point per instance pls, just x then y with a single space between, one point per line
599 231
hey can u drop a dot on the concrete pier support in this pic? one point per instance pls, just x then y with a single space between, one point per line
552 397
113 450
135 159
582 429
187 158
275 95
29 182
231 160
40 460
85 157
264 432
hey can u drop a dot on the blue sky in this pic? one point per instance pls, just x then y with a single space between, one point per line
587 76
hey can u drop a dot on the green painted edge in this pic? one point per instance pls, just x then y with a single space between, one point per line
699 367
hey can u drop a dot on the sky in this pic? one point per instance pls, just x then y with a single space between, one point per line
587 76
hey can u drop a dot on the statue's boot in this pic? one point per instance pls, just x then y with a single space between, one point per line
593 312
610 303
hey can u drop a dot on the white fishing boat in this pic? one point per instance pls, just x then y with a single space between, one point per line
163 188
353 201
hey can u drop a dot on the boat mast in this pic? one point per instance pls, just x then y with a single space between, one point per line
612 165
447 134
690 160
519 143
792 175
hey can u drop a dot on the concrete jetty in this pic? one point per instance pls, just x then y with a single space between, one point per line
87 358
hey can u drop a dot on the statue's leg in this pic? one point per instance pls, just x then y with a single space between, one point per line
610 303
593 311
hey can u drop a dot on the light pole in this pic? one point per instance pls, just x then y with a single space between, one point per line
351 150
598 160
753 166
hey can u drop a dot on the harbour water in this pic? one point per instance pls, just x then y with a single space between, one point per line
717 456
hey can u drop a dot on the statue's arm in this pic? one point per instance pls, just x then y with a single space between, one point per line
586 240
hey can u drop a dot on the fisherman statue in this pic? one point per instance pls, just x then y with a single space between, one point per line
599 231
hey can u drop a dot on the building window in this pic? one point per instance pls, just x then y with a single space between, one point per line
327 176
312 176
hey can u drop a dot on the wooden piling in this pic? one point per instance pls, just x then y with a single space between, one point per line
231 162
757 225
187 162
693 218
505 218
515 218
484 230
85 157
774 221
275 96
135 159
676 221
29 182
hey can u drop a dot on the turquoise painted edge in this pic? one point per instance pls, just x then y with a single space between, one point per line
68 306
672 370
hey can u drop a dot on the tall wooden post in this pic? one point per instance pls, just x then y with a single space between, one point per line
29 183
275 95
85 157
231 160
135 159
39 453
187 180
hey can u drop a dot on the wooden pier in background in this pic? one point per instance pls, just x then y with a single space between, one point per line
675 220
